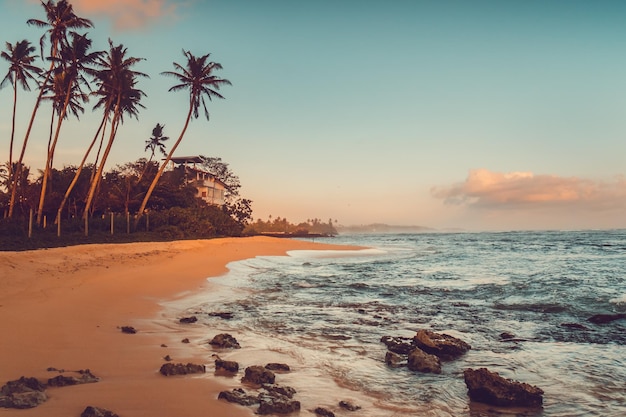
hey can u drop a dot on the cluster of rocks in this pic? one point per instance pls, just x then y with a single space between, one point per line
29 392
426 350
260 384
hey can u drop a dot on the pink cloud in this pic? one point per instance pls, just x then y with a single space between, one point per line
127 14
488 189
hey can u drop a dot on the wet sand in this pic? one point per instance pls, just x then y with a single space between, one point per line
63 308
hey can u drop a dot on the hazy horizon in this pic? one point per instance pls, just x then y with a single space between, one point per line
481 115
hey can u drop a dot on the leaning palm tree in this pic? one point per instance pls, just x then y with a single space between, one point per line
156 141
21 70
75 60
60 18
119 96
197 76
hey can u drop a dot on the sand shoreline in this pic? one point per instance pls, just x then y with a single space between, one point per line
62 308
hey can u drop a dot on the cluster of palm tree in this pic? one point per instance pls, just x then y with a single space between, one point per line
75 75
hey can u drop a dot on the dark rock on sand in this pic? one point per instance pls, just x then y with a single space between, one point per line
401 345
86 377
22 393
271 404
283 367
185 340
490 388
258 375
606 318
226 341
188 320
421 361
228 366
321 411
167 358
128 329
347 405
238 396
97 412
274 389
181 369
441 345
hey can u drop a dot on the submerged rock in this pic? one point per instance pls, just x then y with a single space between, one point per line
275 389
490 388
188 320
400 345
283 367
225 341
128 329
22 393
227 366
277 404
86 377
444 346
347 405
323 412
238 396
169 369
606 318
394 360
222 314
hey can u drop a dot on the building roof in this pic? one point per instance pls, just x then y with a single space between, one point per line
186 159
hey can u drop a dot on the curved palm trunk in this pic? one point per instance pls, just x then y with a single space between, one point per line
96 178
18 168
145 168
160 172
48 171
80 169
12 131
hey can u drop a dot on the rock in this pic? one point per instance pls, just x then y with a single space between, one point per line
163 345
401 345
185 340
347 405
321 411
222 315
490 388
278 367
225 341
128 329
506 335
258 375
188 320
421 361
606 318
277 405
181 369
167 358
228 366
275 389
238 396
575 326
441 345
97 412
22 393
394 360
86 377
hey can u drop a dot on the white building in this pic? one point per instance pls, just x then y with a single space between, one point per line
210 188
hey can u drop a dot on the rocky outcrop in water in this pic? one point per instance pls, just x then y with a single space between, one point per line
323 412
490 388
188 320
225 341
91 411
238 396
441 345
274 399
349 406
225 366
86 377
169 369
128 329
606 318
421 361
277 404
280 367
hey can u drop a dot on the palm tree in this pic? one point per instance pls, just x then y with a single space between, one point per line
21 70
197 76
60 18
118 95
74 61
156 141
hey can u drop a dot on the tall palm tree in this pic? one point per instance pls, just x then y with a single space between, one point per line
21 70
60 18
197 77
118 95
74 61
156 141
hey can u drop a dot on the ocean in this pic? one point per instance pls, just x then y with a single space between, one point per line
324 313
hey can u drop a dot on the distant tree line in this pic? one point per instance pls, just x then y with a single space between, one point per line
282 225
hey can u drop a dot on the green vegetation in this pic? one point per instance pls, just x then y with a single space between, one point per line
280 226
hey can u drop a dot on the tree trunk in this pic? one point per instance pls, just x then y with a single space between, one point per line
12 132
162 168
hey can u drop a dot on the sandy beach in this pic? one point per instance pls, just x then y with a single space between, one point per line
63 308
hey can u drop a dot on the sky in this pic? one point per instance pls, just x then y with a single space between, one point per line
481 115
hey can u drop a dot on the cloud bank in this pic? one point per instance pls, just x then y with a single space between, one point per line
127 14
525 190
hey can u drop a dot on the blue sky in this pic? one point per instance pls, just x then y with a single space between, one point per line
482 115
